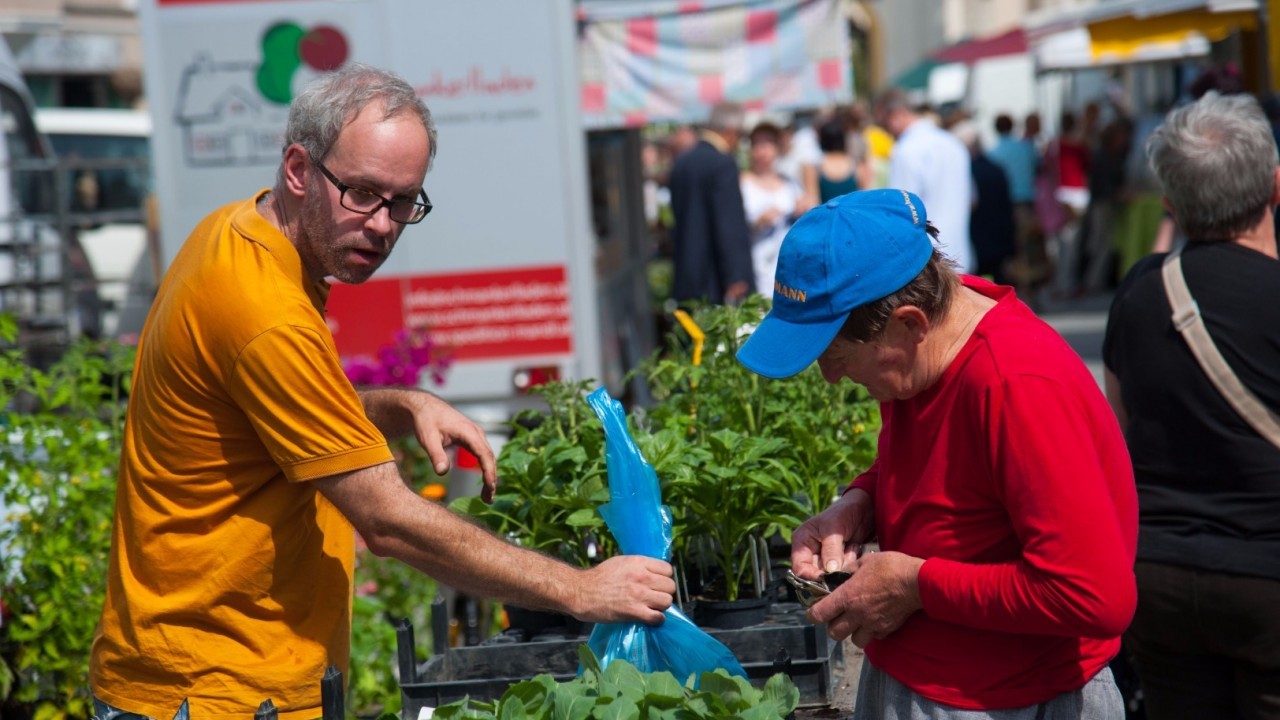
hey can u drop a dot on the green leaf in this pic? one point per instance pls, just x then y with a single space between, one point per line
570 705
47 711
6 679
583 517
622 679
656 713
725 688
531 695
620 708
662 687
780 692
588 660
512 709
759 712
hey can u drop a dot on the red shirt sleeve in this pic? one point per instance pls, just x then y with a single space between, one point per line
1062 493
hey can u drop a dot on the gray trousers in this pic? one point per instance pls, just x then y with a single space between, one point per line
880 697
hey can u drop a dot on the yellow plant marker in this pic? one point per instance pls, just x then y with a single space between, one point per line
698 336
694 331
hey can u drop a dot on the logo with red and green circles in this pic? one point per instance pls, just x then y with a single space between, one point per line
288 46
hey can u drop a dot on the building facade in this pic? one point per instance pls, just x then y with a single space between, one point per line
76 53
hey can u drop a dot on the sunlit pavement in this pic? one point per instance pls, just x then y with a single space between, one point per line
1081 322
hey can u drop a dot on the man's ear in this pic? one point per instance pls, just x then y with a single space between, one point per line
911 322
1275 188
295 166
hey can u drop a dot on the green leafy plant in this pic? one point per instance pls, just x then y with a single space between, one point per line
741 458
621 692
738 493
386 592
60 432
746 457
553 480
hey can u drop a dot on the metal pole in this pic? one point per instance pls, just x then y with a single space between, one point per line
266 711
332 703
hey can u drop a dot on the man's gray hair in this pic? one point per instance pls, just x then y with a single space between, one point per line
726 116
329 102
891 99
1216 159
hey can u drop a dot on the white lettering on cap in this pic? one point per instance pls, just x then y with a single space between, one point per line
915 217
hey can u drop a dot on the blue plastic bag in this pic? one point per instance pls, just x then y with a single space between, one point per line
642 526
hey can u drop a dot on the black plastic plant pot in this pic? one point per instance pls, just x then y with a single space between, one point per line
731 614
534 623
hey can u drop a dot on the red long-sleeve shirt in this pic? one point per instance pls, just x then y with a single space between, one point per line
1011 478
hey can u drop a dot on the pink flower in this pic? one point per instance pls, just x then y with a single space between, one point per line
401 362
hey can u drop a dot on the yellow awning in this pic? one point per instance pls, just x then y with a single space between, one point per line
1128 37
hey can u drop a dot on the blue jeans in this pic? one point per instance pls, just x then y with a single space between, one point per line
880 697
103 711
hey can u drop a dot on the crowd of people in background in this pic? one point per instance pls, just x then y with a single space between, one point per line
1058 217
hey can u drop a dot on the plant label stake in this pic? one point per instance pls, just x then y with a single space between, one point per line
698 336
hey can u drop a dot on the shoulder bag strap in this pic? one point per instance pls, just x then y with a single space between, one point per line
1187 320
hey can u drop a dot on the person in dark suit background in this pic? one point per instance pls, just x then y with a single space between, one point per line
711 243
992 222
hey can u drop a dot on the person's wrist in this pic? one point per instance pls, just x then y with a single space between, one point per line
912 582
572 601
860 509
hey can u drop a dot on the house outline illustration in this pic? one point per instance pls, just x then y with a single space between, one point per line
225 121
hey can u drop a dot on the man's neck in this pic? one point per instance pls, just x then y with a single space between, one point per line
269 208
1261 237
716 140
966 311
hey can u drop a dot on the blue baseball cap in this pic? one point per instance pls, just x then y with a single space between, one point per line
847 252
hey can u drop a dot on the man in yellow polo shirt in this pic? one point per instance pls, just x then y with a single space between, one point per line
248 457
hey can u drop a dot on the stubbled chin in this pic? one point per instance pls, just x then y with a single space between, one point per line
356 274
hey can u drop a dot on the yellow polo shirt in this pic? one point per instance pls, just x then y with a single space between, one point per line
230 578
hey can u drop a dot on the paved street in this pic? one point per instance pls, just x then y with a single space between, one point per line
1081 322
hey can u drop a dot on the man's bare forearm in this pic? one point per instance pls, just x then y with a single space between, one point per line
396 522
471 559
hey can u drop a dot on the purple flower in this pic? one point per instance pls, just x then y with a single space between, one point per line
401 362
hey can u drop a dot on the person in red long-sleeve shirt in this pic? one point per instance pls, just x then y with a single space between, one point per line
1002 497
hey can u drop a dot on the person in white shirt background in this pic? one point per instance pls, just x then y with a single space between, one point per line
772 202
933 164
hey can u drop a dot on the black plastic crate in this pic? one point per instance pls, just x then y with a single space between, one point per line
786 642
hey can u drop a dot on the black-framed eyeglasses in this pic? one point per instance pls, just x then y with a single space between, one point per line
366 202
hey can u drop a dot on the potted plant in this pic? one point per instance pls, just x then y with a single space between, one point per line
742 460
746 459
60 432
622 691
553 481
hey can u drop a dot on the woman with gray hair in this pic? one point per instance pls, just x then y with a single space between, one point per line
1206 636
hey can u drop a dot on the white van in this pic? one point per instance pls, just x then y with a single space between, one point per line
115 146
104 160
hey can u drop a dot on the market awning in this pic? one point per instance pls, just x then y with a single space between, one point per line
965 52
916 77
1127 31
1135 37
1011 42
649 61
1072 49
